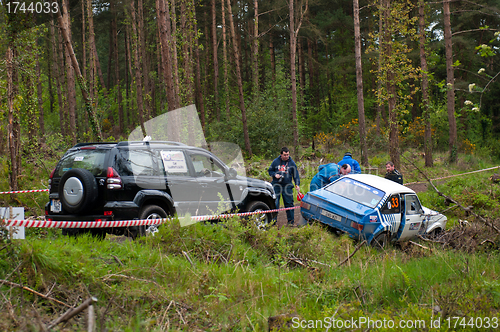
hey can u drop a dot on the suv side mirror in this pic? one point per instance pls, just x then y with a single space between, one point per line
232 173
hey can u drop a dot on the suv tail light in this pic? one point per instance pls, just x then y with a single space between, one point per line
51 176
114 181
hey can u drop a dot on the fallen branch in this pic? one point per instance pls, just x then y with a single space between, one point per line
107 277
32 291
350 256
466 209
419 245
487 241
73 312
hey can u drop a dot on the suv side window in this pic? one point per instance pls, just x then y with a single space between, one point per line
174 162
206 166
392 205
137 163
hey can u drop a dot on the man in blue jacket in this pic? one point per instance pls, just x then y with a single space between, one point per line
355 169
327 174
283 170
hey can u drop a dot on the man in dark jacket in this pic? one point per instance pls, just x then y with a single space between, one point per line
392 173
355 169
283 170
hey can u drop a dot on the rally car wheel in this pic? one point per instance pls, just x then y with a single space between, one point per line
77 190
380 241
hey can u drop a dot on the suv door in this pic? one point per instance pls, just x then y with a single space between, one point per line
181 184
211 177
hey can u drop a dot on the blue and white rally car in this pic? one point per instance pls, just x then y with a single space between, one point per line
371 208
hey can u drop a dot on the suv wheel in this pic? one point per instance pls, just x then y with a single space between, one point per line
261 220
151 212
77 190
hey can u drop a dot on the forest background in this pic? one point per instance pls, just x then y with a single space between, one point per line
324 75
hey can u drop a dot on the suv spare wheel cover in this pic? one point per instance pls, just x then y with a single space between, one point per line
77 190
73 190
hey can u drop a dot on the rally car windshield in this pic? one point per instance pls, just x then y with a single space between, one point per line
356 191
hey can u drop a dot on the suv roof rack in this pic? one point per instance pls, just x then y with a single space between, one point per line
125 143
92 143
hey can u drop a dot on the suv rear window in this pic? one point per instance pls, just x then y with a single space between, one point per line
91 160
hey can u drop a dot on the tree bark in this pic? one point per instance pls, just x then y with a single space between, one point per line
72 58
114 33
450 83
391 89
215 60
293 48
41 124
137 68
255 53
425 88
164 27
239 80
359 86
56 63
12 132
224 52
65 26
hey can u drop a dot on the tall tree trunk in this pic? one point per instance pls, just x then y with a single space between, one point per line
302 75
450 83
58 62
273 59
137 68
164 27
127 110
41 123
215 61
12 132
64 25
391 89
293 48
199 94
84 43
173 49
310 66
114 34
96 128
143 59
255 53
239 80
224 52
359 86
425 88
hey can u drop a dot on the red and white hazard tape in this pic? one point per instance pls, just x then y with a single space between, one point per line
23 191
125 223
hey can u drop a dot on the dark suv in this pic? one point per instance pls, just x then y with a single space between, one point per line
149 180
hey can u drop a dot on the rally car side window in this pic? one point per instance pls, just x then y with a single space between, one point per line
392 205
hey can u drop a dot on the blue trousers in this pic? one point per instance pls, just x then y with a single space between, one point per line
287 192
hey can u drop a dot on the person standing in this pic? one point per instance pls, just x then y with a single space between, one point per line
327 174
355 169
392 173
283 170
